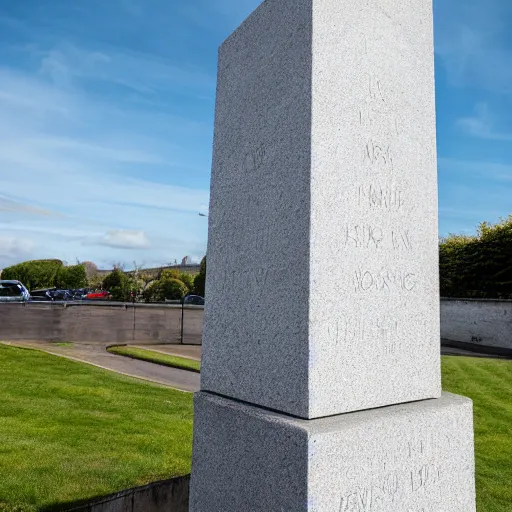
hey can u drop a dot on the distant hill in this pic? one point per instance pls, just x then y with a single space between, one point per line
91 269
190 268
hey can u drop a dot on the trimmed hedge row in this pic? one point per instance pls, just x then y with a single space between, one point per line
478 266
47 274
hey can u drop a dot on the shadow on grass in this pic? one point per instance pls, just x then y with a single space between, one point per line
169 494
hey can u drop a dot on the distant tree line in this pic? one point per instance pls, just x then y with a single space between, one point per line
138 285
478 266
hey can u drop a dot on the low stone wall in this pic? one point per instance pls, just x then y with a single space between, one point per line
463 321
169 495
479 323
95 322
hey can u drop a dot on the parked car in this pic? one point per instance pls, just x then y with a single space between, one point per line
43 295
195 300
101 295
80 293
13 291
61 295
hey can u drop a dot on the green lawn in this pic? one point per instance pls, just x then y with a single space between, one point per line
489 383
70 431
157 357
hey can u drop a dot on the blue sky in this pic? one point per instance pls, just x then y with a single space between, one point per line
106 123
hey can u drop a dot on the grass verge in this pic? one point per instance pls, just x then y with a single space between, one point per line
489 383
157 357
69 431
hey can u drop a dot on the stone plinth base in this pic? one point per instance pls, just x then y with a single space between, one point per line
415 457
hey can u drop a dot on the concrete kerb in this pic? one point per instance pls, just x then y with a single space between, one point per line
478 350
174 350
146 347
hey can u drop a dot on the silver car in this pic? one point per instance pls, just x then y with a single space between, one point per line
13 291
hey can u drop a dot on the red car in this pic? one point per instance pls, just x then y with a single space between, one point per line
103 295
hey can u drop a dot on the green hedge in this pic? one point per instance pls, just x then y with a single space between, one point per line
47 274
478 266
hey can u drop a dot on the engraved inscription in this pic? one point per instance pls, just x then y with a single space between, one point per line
376 117
245 279
401 239
378 154
375 90
376 109
377 197
365 499
362 236
425 477
410 470
382 492
365 236
254 159
245 240
381 333
384 280
251 278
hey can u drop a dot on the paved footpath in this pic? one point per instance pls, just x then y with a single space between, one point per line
97 355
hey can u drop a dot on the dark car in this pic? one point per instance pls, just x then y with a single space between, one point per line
42 295
195 300
61 295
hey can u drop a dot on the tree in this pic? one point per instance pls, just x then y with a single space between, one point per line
150 293
118 285
72 277
171 289
188 280
96 281
168 273
200 279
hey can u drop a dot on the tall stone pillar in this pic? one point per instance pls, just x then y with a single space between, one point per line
320 383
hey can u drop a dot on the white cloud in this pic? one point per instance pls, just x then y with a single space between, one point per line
124 239
14 249
23 94
495 172
472 191
10 205
471 41
76 168
482 125
142 72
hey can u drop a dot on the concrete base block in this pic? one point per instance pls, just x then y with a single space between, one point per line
415 457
